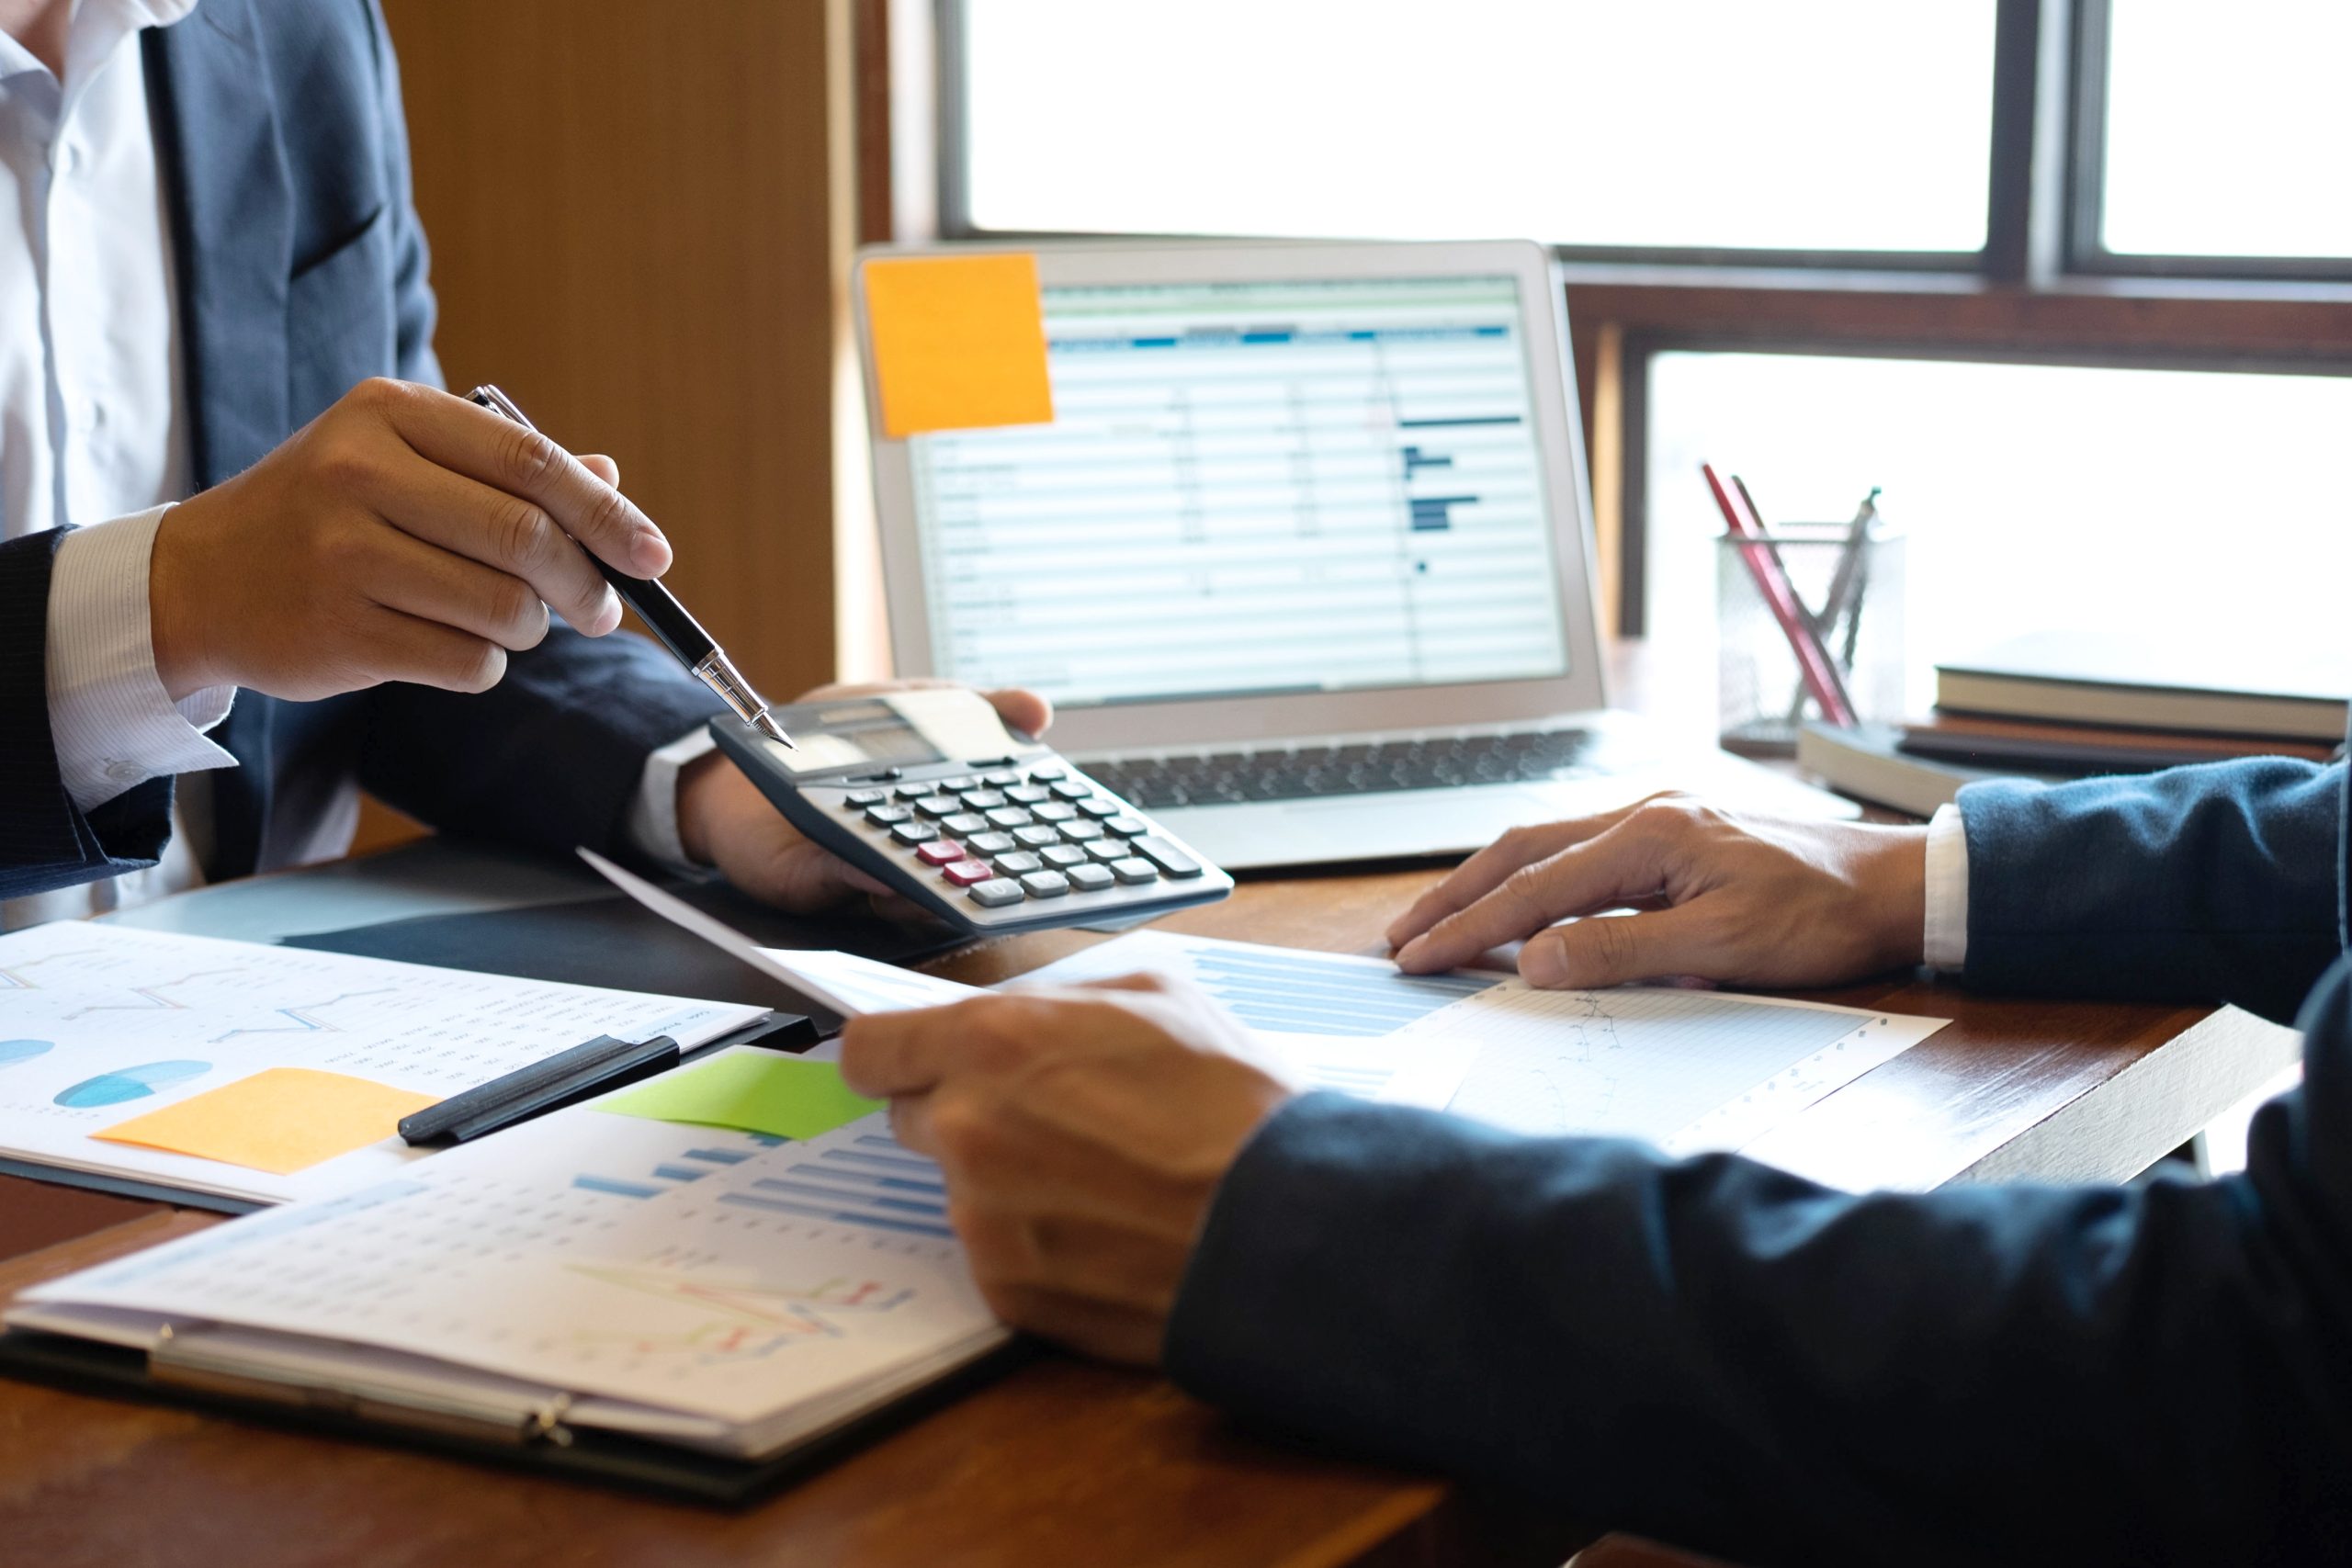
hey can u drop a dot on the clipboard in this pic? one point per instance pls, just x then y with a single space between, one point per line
544 1448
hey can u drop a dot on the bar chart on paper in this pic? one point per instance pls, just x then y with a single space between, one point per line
1278 988
718 1287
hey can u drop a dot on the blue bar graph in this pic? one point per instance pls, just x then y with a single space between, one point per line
1306 995
1415 460
835 1194
1434 514
836 1216
614 1188
719 1157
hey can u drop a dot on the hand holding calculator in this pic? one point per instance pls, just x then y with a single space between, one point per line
931 793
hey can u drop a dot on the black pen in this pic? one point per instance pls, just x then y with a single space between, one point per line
588 1068
679 632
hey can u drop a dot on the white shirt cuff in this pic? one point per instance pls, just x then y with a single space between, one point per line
112 722
1946 946
653 816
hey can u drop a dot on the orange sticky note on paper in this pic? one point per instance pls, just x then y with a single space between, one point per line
280 1119
959 343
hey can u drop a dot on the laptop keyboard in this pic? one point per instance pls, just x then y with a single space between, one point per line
1221 778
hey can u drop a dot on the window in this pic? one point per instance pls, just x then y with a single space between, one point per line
2032 495
2042 181
1806 126
2228 141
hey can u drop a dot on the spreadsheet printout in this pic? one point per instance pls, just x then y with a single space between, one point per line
1253 488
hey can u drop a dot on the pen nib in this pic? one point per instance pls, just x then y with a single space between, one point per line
768 726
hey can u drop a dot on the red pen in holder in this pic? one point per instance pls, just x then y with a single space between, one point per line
1796 642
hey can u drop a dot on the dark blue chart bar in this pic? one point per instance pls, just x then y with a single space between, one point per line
869 1179
617 1188
1305 996
1434 514
1261 337
1415 460
835 1195
1449 423
819 1211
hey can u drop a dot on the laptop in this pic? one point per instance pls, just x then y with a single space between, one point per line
1303 558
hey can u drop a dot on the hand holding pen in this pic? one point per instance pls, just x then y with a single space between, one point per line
678 631
402 535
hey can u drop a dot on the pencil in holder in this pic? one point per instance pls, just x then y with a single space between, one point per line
1844 581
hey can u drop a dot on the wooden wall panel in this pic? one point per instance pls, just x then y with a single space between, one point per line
635 230
639 226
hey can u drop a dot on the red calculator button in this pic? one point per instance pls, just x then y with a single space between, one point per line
965 872
940 851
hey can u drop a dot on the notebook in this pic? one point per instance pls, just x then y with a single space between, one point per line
2168 682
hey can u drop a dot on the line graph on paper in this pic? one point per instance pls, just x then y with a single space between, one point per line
17 976
710 1322
150 999
1688 1069
303 1019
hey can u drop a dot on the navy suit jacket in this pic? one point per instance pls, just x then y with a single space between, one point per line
1718 1354
301 271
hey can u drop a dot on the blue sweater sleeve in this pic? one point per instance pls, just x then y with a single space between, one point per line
2219 883
1728 1357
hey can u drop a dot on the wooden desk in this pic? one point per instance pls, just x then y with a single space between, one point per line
1062 1462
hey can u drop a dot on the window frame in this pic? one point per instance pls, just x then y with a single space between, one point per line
1641 349
2042 290
952 163
2085 177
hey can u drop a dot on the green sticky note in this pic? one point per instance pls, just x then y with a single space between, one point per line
752 1092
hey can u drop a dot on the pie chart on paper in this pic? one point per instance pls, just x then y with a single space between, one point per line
15 1051
130 1083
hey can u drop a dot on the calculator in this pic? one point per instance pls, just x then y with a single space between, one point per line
933 795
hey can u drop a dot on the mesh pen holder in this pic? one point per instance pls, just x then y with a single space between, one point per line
1855 607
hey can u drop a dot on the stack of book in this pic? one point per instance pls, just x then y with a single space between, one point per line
2062 706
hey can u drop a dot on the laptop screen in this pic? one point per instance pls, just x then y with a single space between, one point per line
1253 488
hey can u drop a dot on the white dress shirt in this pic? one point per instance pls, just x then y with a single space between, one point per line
93 431
91 420
1944 944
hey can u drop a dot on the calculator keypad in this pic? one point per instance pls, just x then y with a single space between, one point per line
1008 836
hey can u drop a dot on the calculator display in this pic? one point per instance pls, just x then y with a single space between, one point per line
902 729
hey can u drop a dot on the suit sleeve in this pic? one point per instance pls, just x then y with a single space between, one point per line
548 757
45 841
2218 883
1732 1358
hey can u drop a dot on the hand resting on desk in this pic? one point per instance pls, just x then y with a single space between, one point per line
1748 900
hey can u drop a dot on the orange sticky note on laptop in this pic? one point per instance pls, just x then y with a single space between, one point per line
280 1119
959 342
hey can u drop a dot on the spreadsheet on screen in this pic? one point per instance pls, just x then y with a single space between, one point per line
1249 489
